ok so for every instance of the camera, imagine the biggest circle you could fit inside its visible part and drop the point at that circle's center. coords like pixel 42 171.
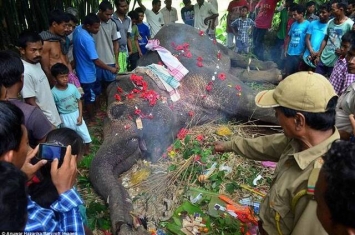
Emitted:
pixel 49 151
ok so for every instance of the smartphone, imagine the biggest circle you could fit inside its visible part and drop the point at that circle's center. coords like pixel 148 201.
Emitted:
pixel 50 152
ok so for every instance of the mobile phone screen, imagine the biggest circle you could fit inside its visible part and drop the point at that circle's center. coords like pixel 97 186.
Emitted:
pixel 51 151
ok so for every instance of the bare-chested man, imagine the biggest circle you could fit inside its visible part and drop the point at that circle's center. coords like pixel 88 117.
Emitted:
pixel 55 48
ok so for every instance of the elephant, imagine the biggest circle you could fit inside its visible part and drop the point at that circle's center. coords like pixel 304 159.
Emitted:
pixel 142 120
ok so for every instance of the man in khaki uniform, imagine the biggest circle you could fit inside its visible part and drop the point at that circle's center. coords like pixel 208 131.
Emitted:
pixel 304 105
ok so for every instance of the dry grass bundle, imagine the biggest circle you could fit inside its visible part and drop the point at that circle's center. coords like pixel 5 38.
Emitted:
pixel 157 195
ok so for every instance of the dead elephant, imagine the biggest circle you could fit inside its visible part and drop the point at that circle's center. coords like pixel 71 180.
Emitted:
pixel 143 121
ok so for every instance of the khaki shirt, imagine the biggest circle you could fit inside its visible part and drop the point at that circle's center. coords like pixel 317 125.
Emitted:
pixel 291 176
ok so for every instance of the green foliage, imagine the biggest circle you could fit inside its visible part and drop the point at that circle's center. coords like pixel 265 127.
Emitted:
pixel 98 216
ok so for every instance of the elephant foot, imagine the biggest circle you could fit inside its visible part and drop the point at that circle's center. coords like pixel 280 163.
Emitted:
pixel 126 229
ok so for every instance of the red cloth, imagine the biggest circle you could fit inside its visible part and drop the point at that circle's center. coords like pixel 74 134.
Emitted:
pixel 234 11
pixel 266 10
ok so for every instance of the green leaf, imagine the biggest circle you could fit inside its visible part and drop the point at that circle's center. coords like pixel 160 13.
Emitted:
pixel 230 187
pixel 177 144
pixel 187 139
pixel 172 167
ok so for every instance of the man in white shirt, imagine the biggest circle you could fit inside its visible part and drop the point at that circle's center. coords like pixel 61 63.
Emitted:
pixel 155 18
pixel 204 12
pixel 169 13
pixel 36 90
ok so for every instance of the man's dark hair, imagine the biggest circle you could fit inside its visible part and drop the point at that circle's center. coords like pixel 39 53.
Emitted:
pixel 245 7
pixel 155 2
pixel 13 198
pixel 133 15
pixel 28 37
pixel 339 172
pixel 317 121
pixel 139 10
pixel 73 18
pixel 310 3
pixel 186 1
pixel 11 119
pixel 298 8
pixel 105 5
pixel 58 16
pixel 325 6
pixel 341 4
pixel 59 69
pixel 117 2
pixel 91 19
pixel 45 193
pixel 349 37
pixel 11 68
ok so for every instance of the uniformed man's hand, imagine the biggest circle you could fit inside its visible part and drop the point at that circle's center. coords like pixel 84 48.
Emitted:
pixel 218 147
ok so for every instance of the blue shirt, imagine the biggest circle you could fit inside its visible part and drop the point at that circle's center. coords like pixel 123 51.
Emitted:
pixel 66 100
pixel 144 35
pixel 187 15
pixel 66 208
pixel 84 55
pixel 297 33
pixel 316 29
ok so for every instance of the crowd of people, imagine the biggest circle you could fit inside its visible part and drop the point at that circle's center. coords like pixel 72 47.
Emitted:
pixel 63 71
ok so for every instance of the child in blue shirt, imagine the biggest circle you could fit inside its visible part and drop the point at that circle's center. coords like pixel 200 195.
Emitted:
pixel 296 40
pixel 143 29
pixel 242 28
pixel 67 99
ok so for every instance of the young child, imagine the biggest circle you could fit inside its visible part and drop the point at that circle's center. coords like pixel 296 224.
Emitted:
pixel 67 99
pixel 340 78
pixel 242 27
pixel 296 40
pixel 187 13
pixel 134 50
pixel 144 31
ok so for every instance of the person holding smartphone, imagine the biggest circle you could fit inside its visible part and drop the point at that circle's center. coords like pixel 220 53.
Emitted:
pixel 63 214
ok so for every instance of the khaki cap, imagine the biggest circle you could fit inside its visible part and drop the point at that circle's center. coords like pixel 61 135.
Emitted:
pixel 302 91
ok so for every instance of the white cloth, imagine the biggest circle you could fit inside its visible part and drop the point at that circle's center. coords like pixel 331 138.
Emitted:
pixel 163 74
pixel 176 69
pixel 70 120
pixel 155 21
pixel 35 84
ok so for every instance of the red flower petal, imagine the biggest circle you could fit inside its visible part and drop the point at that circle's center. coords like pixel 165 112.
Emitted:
pixel 219 55
pixel 187 54
pixel 238 87
pixel 199 64
pixel 182 133
pixel 201 33
pixel 199 58
pixel 138 111
pixel 222 76
pixel 200 138
pixel 130 96
pixel 117 97
pixel 191 113
pixel 119 89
